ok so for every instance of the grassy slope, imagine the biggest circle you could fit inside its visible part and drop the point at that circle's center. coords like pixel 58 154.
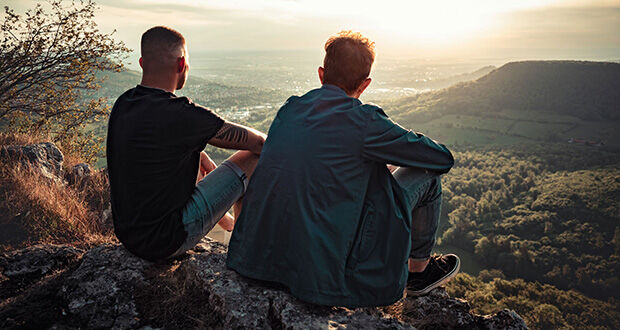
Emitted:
pixel 521 102
pixel 35 209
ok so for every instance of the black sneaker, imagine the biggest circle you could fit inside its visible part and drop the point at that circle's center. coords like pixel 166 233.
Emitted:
pixel 440 269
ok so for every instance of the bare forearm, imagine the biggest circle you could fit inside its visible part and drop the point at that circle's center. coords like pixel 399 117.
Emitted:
pixel 239 137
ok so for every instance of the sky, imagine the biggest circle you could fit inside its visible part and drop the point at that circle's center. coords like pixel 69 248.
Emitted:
pixel 511 29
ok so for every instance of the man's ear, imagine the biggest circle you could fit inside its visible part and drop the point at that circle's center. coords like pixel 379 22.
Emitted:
pixel 180 64
pixel 140 61
pixel 364 85
pixel 321 73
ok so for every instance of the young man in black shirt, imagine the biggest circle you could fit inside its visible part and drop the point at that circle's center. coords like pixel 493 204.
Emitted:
pixel 166 192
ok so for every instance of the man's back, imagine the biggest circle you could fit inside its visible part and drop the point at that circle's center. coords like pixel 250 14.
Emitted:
pixel 322 214
pixel 154 140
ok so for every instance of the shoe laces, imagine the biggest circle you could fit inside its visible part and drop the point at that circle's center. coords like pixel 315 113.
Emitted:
pixel 440 263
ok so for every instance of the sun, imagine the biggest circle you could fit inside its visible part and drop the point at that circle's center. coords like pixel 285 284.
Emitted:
pixel 439 22
pixel 434 22
pixel 431 23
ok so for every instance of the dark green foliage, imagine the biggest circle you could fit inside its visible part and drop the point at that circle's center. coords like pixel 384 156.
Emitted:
pixel 543 306
pixel 534 217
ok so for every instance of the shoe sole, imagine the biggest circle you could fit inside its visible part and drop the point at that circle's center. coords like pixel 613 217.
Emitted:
pixel 440 282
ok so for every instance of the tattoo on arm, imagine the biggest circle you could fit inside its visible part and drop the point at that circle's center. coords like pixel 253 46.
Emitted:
pixel 232 133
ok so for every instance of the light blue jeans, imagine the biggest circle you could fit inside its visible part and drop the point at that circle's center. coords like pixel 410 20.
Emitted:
pixel 423 190
pixel 213 196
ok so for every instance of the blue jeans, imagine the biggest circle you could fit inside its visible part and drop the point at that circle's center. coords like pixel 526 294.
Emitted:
pixel 423 190
pixel 213 196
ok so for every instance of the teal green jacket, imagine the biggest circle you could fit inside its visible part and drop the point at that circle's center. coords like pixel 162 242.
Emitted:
pixel 322 214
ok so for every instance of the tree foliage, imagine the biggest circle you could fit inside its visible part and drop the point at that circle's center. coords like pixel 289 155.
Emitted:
pixel 538 216
pixel 543 306
pixel 49 58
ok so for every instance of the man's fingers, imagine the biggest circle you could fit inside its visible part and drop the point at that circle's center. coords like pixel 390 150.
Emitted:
pixel 227 222
pixel 206 163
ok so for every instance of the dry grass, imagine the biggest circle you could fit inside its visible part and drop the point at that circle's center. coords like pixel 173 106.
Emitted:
pixel 19 139
pixel 44 211
pixel 6 139
pixel 174 301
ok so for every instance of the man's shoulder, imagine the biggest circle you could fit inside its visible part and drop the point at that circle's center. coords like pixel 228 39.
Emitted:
pixel 185 102
pixel 125 96
pixel 372 111
pixel 370 107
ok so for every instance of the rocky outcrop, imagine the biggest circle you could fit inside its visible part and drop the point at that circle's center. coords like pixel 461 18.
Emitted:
pixel 100 292
pixel 45 157
pixel 78 172
pixel 19 269
pixel 113 289
pixel 438 310
pixel 48 160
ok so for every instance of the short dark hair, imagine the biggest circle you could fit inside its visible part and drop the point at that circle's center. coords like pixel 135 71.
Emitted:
pixel 158 41
pixel 348 59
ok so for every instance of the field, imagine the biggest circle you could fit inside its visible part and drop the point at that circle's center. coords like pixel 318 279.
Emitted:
pixel 514 128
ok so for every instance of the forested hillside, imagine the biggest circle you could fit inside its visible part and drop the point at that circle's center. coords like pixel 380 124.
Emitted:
pixel 540 224
pixel 586 90
pixel 521 103
pixel 542 215
pixel 543 306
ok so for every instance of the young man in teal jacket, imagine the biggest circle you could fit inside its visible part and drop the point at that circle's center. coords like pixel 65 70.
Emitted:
pixel 328 214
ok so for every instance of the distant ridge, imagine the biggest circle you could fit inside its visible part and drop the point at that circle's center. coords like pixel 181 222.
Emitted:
pixel 587 90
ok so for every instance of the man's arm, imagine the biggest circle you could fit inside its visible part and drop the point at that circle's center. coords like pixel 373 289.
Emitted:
pixel 239 137
pixel 385 141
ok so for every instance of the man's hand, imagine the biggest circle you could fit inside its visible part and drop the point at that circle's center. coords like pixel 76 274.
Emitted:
pixel 205 167
pixel 227 222
pixel 206 164
pixel 258 147
pixel 235 136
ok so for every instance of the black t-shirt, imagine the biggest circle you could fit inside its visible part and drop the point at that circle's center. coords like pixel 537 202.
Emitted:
pixel 153 153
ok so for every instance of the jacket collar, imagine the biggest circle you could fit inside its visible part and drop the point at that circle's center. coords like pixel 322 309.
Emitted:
pixel 334 88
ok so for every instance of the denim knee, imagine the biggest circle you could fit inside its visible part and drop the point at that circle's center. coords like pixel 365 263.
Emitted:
pixel 434 190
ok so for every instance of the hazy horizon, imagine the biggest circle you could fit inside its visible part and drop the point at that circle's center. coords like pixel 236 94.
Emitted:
pixel 445 30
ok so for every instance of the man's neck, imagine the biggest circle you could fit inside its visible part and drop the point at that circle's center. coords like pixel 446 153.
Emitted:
pixel 169 85
pixel 356 94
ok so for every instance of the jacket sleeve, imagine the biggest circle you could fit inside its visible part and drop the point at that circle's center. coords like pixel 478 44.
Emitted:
pixel 386 141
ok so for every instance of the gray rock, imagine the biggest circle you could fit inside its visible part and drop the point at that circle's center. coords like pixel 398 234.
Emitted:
pixel 37 260
pixel 109 287
pixel 504 319
pixel 20 268
pixel 243 303
pixel 46 157
pixel 438 310
pixel 106 215
pixel 100 292
pixel 78 172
